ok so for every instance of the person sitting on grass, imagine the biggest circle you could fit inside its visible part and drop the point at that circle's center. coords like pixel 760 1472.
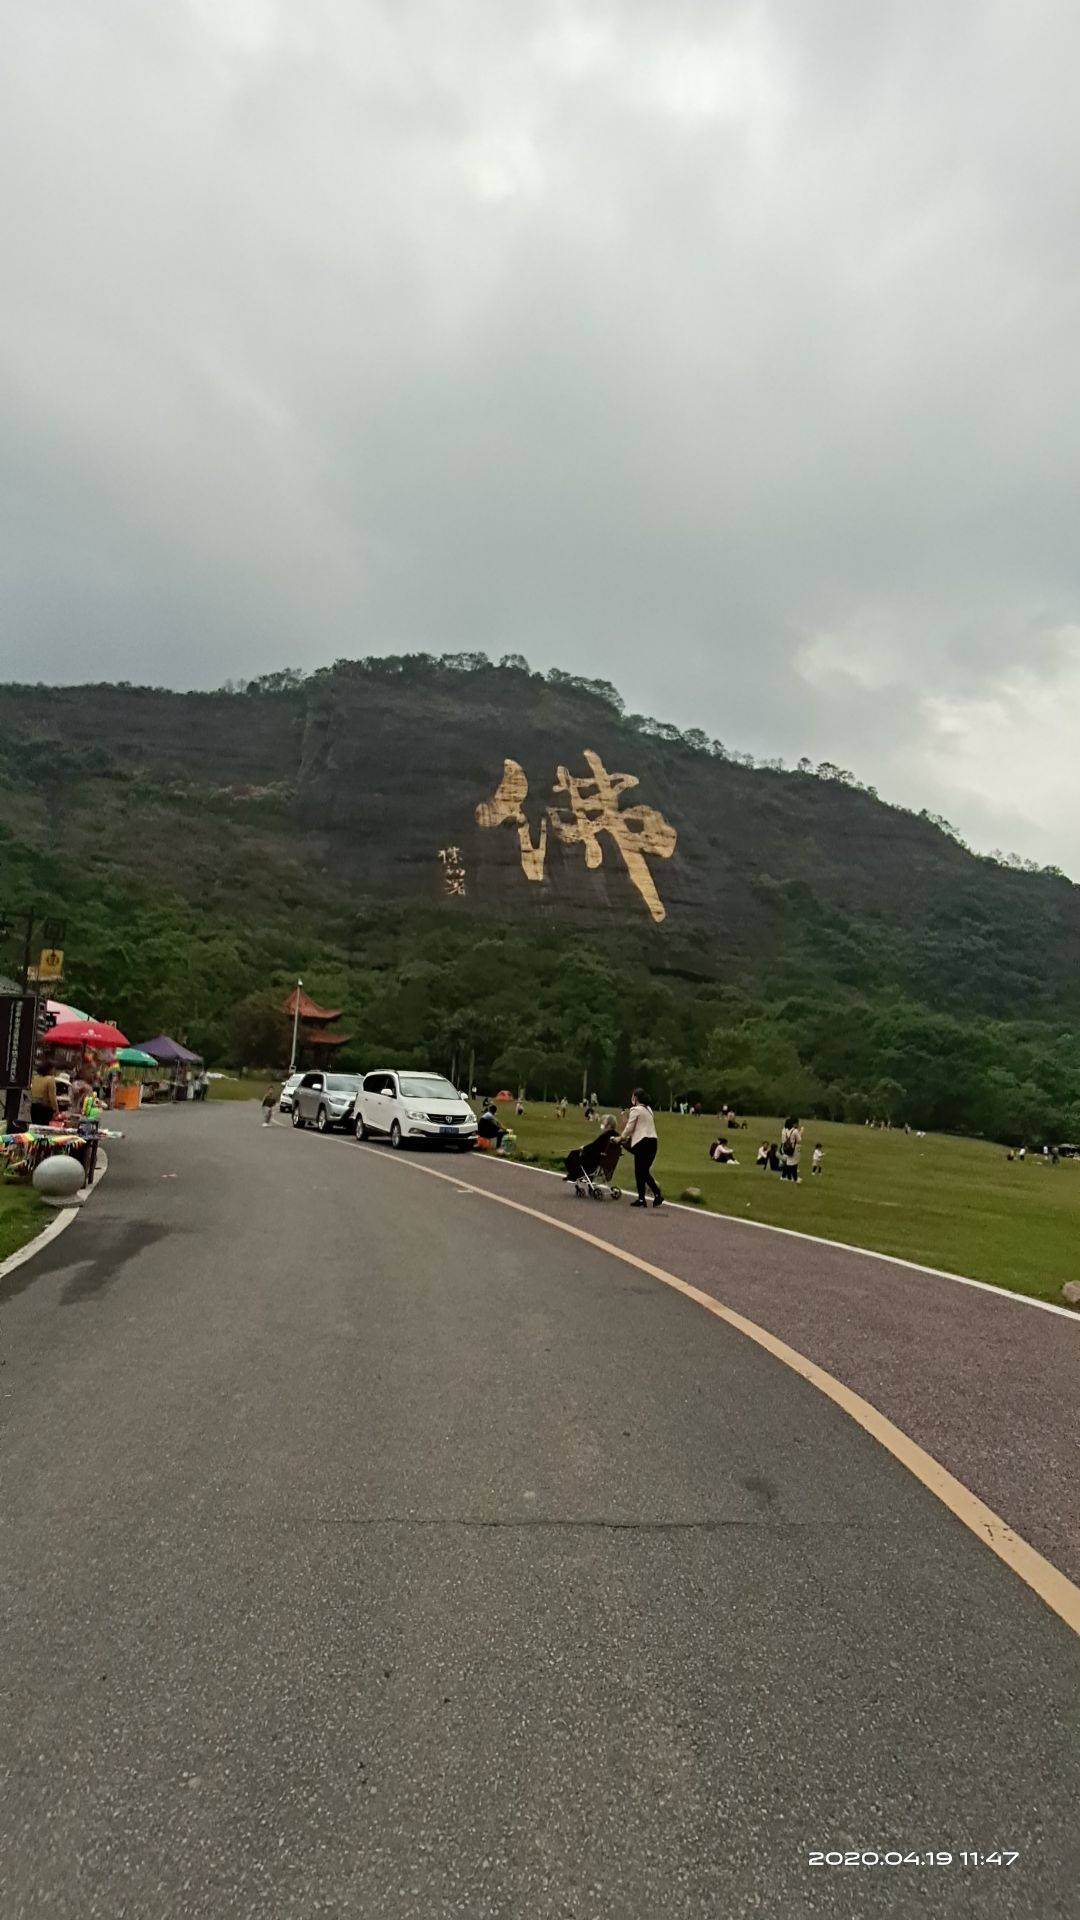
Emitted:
pixel 488 1129
pixel 721 1152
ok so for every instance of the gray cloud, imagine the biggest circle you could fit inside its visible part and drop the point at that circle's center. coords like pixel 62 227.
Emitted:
pixel 728 350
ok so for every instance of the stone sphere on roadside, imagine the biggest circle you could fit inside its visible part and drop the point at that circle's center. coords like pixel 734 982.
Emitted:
pixel 59 1177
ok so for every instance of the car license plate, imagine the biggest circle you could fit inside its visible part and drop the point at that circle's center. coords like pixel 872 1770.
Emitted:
pixel 447 1129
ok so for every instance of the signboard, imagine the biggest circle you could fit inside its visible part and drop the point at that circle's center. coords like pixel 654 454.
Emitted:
pixel 17 1039
pixel 50 964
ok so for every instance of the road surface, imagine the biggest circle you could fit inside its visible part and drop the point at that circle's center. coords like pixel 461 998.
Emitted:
pixel 370 1549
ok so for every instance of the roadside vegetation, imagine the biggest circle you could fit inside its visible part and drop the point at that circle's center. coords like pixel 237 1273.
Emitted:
pixel 22 1215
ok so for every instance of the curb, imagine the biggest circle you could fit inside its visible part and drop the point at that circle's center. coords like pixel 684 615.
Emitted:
pixel 55 1227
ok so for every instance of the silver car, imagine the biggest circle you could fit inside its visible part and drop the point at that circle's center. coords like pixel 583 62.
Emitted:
pixel 325 1100
pixel 288 1092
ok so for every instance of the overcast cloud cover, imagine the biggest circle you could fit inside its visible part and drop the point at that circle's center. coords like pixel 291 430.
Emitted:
pixel 728 349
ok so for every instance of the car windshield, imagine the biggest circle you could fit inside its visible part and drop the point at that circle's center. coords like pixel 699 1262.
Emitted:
pixel 341 1083
pixel 426 1086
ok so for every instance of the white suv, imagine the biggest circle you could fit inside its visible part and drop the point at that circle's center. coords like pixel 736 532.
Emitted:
pixel 407 1106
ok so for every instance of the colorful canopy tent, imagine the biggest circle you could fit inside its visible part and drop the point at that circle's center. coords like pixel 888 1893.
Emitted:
pixel 97 1034
pixel 168 1052
pixel 61 1011
pixel 135 1057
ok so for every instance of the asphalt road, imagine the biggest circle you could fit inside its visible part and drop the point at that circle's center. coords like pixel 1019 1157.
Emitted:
pixel 987 1382
pixel 369 1549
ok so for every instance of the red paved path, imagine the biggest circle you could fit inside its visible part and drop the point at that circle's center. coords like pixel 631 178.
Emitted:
pixel 988 1385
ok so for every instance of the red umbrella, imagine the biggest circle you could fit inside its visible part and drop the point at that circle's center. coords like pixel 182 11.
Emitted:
pixel 84 1033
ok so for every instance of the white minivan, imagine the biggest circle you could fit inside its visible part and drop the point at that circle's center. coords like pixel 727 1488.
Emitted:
pixel 404 1105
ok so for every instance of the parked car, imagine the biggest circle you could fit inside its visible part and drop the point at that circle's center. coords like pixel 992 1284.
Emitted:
pixel 285 1102
pixel 325 1100
pixel 404 1106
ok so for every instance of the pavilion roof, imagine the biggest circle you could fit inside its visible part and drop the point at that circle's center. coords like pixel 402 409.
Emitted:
pixel 309 1010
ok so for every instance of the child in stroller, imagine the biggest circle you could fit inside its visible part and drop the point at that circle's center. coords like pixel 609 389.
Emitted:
pixel 591 1167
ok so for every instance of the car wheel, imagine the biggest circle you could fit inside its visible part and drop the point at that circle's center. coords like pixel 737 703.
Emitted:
pixel 321 1120
pixel 395 1135
pixel 360 1130
pixel 297 1117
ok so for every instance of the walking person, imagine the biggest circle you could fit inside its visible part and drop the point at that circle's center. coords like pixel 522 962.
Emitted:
pixel 639 1134
pixel 816 1159
pixel 269 1102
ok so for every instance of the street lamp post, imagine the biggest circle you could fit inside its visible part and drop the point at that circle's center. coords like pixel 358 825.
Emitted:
pixel 295 1026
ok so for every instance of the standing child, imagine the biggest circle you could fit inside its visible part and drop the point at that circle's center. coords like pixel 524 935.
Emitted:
pixel 269 1102
pixel 816 1159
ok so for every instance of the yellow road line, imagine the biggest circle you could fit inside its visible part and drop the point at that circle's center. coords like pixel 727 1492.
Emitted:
pixel 1059 1593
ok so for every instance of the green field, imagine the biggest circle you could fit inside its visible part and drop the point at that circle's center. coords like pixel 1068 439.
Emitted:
pixel 950 1203
pixel 233 1088
pixel 22 1215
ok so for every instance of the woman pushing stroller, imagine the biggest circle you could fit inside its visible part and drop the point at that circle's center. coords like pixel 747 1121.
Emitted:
pixel 639 1134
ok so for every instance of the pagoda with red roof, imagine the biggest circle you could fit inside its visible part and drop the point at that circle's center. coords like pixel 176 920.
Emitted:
pixel 315 1035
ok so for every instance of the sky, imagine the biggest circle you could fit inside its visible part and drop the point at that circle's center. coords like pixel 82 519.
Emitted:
pixel 725 349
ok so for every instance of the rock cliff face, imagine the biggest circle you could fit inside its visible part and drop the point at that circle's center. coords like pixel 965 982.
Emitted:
pixel 496 792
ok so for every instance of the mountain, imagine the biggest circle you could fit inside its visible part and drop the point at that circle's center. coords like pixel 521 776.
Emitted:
pixel 640 898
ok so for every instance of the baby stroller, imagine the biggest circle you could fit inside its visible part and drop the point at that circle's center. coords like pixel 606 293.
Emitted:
pixel 592 1167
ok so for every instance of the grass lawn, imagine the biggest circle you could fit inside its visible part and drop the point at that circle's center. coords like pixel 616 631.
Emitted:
pixel 22 1215
pixel 956 1204
pixel 251 1088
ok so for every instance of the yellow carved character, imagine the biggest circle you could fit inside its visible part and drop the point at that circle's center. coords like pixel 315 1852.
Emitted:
pixel 508 803
pixel 639 832
pixel 636 831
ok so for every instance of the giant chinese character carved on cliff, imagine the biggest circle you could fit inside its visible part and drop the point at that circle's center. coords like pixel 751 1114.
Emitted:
pixel 592 808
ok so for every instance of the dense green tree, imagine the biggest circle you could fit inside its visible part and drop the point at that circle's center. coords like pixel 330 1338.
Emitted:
pixel 259 1032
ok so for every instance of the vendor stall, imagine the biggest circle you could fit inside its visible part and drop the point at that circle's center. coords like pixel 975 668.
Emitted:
pixel 22 1151
pixel 82 1043
pixel 179 1061
pixel 135 1070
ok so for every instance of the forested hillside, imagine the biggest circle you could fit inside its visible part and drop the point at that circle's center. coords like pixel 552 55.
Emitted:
pixel 475 857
